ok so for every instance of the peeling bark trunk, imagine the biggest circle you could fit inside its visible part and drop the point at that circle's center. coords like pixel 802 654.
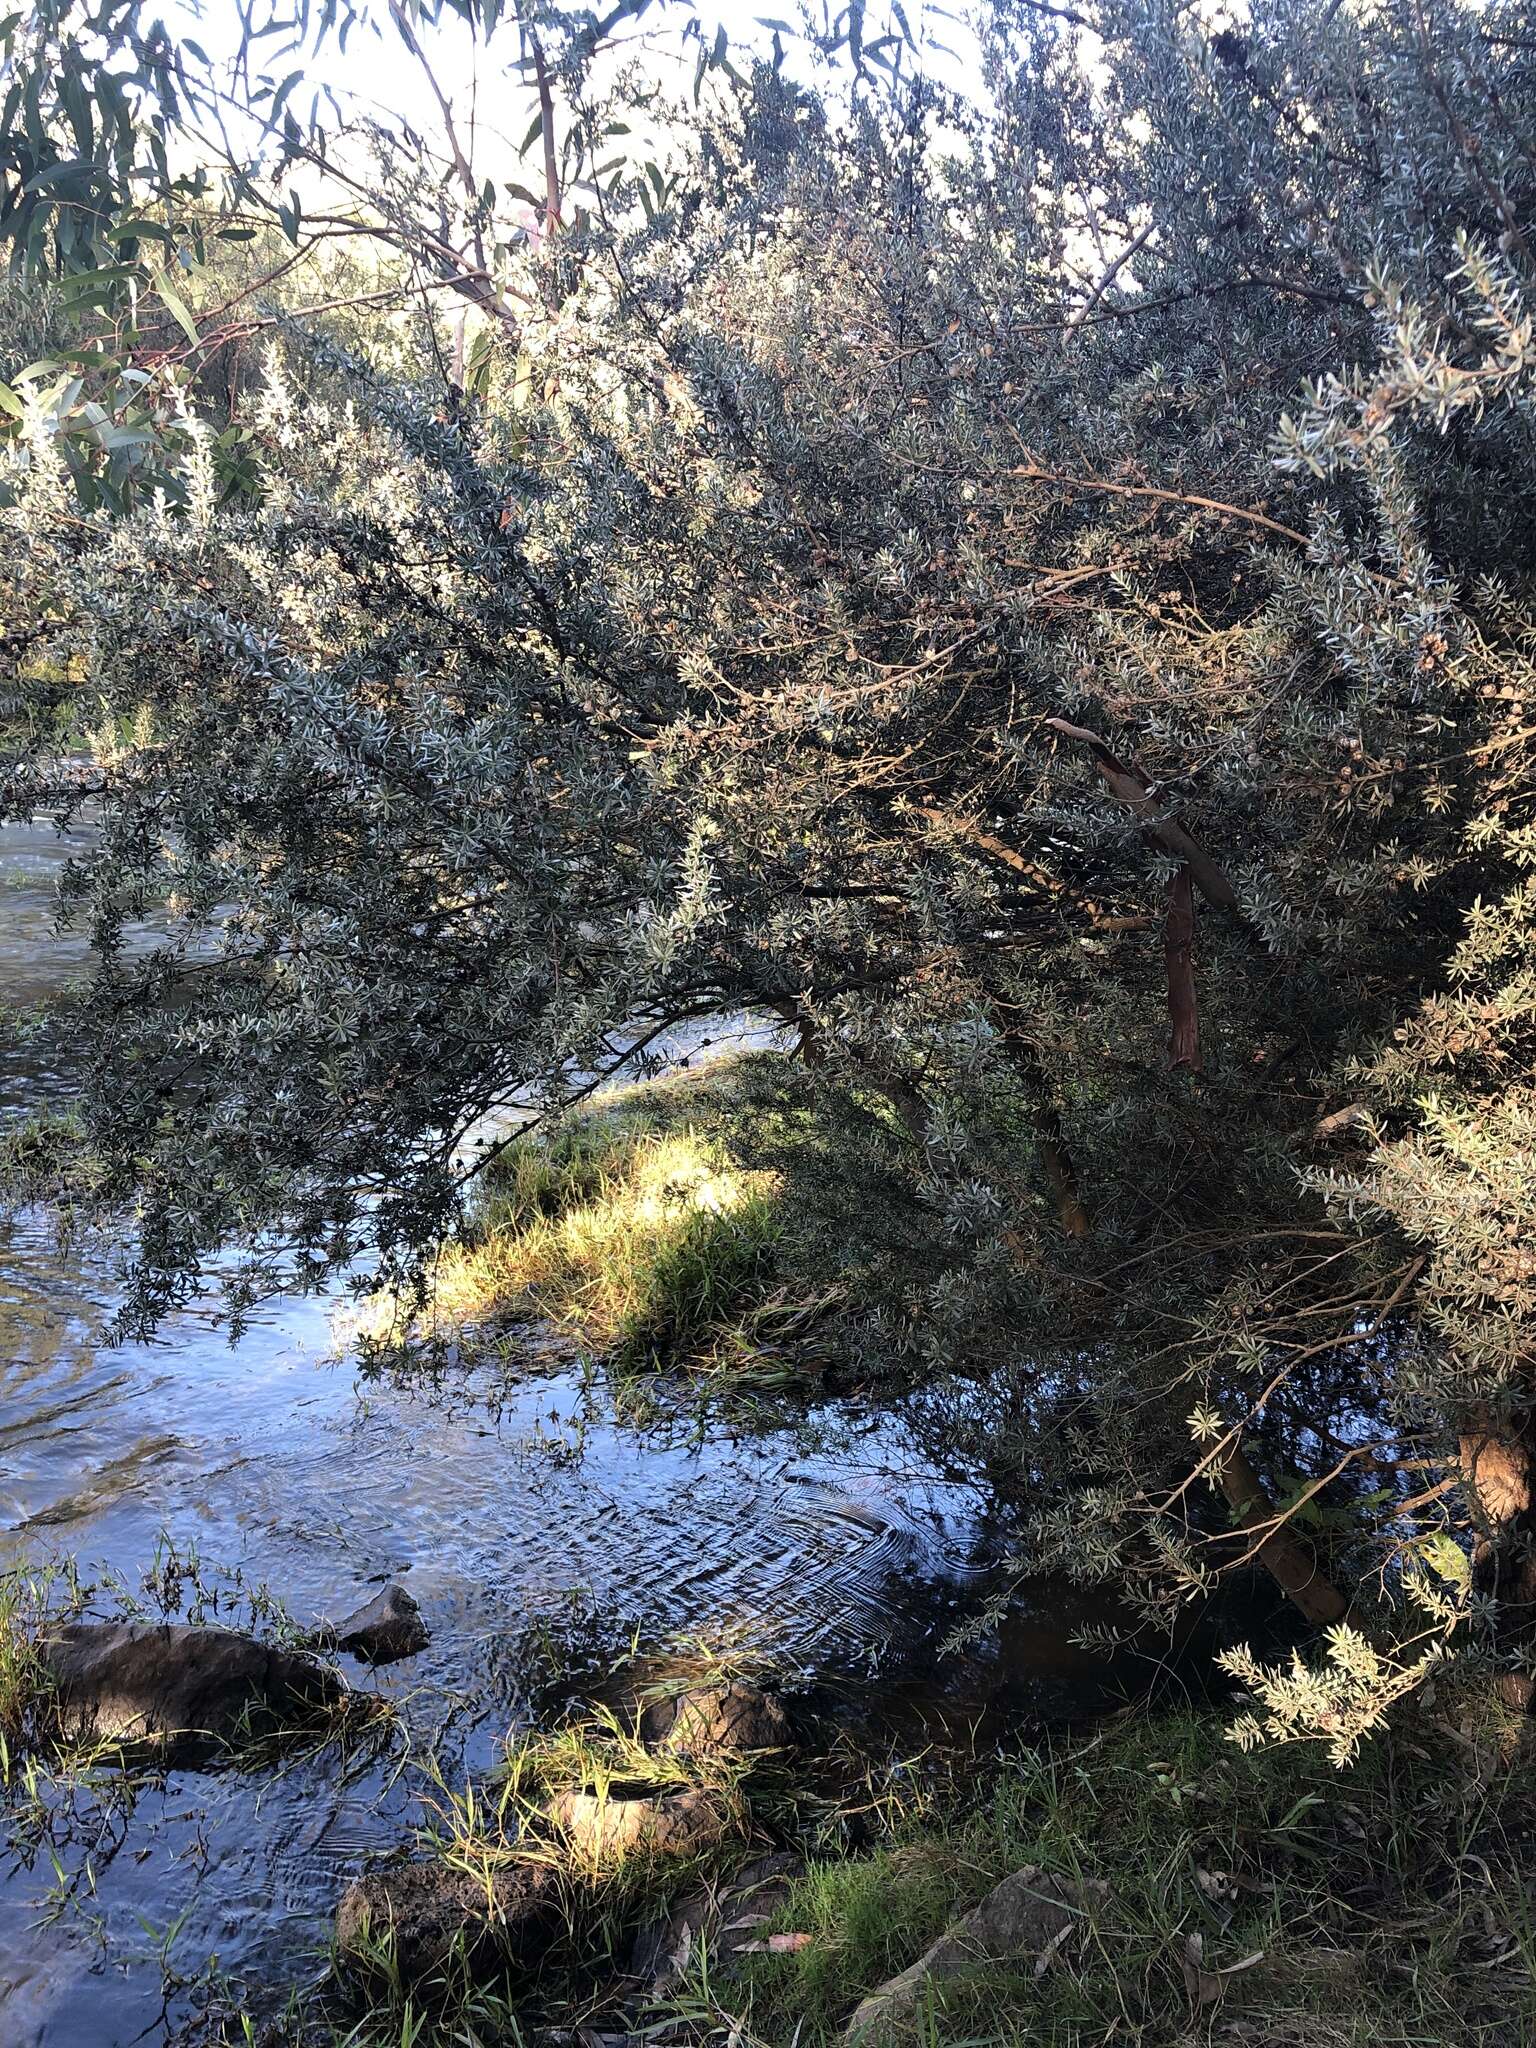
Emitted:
pixel 552 194
pixel 1284 1553
pixel 1050 1139
pixel 1498 1470
pixel 1061 1173
pixel 1179 956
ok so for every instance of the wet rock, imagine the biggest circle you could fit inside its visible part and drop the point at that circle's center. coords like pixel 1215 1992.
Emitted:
pixel 727 1719
pixel 188 1692
pixel 423 1915
pixel 724 1919
pixel 605 1829
pixel 389 1626
pixel 1017 1923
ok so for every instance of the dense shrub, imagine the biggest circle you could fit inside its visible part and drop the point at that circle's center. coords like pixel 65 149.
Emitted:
pixel 1035 593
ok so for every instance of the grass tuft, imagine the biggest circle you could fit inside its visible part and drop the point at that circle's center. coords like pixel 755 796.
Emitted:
pixel 24 1684
pixel 634 1228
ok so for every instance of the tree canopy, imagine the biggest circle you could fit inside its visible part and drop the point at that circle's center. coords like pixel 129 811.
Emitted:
pixel 1030 587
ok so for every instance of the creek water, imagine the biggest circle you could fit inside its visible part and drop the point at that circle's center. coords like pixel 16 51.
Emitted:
pixel 536 1531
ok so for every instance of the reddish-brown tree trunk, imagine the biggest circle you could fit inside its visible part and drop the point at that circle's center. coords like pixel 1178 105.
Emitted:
pixel 1179 959
pixel 1282 1550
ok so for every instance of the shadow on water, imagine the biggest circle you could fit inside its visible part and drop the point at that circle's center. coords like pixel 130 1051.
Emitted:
pixel 540 1537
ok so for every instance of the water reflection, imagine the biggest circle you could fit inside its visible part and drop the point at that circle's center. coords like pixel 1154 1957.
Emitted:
pixel 538 1534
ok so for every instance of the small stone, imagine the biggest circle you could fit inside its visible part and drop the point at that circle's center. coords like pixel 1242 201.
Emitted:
pixel 389 1626
pixel 606 1830
pixel 1018 1921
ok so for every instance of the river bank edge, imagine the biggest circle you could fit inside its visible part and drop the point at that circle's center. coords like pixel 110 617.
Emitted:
pixel 797 1881
pixel 1141 1879
pixel 1196 1892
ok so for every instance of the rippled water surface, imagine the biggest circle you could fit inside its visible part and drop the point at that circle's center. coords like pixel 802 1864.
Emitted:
pixel 519 1515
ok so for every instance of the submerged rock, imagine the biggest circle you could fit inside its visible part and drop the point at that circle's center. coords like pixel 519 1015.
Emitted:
pixel 605 1829
pixel 422 1915
pixel 185 1691
pixel 731 1718
pixel 389 1626
pixel 1018 1922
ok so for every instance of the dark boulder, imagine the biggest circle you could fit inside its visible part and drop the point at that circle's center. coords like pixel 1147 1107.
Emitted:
pixel 185 1692
pixel 418 1917
pixel 389 1626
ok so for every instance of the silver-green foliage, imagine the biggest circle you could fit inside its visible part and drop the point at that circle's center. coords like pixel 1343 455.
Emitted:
pixel 840 543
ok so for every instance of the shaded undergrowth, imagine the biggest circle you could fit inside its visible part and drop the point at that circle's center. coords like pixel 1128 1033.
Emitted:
pixel 1265 1899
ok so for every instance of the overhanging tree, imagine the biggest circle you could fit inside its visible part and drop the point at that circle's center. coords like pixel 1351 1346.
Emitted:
pixel 1036 593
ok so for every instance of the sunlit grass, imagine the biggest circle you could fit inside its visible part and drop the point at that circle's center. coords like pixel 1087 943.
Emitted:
pixel 679 1224
pixel 634 1230
pixel 637 1242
